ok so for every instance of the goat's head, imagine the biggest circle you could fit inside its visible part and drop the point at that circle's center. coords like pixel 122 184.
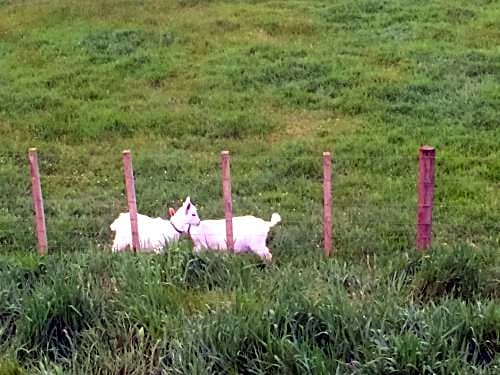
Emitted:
pixel 186 215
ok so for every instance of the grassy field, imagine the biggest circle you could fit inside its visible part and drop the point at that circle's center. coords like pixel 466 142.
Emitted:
pixel 276 83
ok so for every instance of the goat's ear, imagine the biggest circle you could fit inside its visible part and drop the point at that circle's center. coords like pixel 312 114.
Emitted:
pixel 188 207
pixel 188 200
pixel 171 211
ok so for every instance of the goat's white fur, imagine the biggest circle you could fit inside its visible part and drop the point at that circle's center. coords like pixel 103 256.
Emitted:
pixel 154 233
pixel 249 233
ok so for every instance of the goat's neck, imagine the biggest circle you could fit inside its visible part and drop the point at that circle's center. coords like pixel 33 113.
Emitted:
pixel 179 224
pixel 169 231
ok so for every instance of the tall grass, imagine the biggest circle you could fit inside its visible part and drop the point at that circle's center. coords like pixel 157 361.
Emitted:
pixel 276 83
pixel 177 313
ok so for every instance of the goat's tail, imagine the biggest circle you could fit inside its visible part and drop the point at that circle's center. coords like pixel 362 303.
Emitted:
pixel 275 219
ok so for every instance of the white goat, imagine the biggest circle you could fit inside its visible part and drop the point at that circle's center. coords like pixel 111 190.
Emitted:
pixel 249 233
pixel 154 233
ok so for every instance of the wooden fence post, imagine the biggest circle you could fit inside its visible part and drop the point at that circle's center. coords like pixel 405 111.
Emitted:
pixel 132 204
pixel 228 205
pixel 36 190
pixel 426 176
pixel 327 203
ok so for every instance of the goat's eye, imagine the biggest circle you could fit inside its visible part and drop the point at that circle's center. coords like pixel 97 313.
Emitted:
pixel 193 214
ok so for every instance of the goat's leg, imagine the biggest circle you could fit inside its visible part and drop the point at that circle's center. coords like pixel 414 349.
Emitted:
pixel 116 245
pixel 264 254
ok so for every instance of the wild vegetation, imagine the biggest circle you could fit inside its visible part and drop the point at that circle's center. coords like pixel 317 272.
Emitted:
pixel 276 83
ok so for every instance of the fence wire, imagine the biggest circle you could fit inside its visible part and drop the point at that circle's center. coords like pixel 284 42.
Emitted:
pixel 373 207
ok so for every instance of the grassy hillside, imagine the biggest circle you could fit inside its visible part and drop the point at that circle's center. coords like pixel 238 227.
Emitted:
pixel 275 82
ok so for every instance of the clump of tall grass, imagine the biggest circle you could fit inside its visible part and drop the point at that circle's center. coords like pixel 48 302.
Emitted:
pixel 9 367
pixel 460 272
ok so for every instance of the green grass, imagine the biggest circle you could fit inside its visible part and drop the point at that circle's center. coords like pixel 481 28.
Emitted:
pixel 276 83
pixel 179 313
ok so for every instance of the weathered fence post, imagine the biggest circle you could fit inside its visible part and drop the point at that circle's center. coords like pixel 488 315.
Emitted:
pixel 132 204
pixel 36 190
pixel 327 203
pixel 426 176
pixel 228 205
